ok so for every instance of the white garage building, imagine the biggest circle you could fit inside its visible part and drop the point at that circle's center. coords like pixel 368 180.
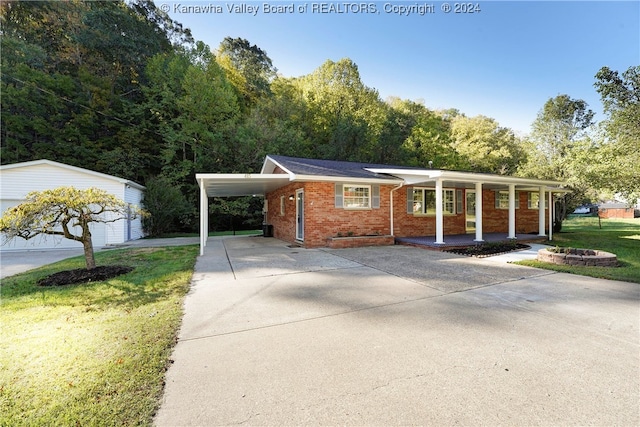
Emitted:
pixel 18 179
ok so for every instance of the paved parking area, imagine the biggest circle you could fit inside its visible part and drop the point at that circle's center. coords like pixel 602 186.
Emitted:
pixel 274 335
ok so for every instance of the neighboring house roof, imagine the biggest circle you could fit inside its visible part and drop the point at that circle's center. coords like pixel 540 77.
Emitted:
pixel 614 205
pixel 71 168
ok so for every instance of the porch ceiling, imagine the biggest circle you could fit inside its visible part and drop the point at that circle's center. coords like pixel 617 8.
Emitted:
pixel 224 185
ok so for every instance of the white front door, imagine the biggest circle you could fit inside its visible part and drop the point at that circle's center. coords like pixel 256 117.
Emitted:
pixel 300 214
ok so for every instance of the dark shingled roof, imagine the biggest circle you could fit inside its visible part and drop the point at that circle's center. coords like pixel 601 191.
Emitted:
pixel 334 167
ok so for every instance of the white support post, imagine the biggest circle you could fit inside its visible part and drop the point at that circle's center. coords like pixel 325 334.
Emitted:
pixel 204 213
pixel 541 208
pixel 478 212
pixel 551 216
pixel 512 211
pixel 439 214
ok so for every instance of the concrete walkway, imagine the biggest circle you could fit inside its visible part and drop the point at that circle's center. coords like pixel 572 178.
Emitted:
pixel 274 335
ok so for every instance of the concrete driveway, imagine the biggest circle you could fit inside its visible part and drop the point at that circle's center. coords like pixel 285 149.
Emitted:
pixel 274 335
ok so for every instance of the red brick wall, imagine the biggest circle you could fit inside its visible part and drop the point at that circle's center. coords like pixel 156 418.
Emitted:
pixel 615 213
pixel 493 220
pixel 323 220
pixel 284 226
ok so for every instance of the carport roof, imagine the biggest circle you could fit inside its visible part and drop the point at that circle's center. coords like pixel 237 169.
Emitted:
pixel 224 185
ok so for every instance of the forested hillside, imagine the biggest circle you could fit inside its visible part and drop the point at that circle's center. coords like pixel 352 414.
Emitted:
pixel 120 88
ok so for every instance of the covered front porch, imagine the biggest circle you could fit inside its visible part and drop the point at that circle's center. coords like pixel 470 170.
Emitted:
pixel 464 240
pixel 469 188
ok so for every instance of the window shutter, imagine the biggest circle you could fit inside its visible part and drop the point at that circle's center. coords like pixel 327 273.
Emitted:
pixel 375 196
pixel 338 196
pixel 458 201
pixel 497 196
pixel 410 200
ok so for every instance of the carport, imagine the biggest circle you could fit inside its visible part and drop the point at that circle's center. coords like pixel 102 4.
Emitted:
pixel 229 185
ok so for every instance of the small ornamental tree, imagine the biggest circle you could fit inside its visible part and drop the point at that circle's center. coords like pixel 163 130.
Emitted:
pixel 67 212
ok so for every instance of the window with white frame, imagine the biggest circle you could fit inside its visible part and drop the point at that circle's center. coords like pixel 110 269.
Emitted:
pixel 282 204
pixel 502 199
pixel 356 196
pixel 534 200
pixel 424 201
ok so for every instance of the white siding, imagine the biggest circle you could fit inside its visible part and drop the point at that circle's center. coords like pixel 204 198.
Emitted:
pixel 17 182
pixel 134 197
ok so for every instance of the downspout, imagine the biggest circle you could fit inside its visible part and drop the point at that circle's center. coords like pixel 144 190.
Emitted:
pixel 391 200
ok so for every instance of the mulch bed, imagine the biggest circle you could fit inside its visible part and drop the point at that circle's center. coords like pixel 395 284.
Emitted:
pixel 487 250
pixel 82 275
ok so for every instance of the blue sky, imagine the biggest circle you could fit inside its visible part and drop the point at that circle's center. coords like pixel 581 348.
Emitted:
pixel 504 61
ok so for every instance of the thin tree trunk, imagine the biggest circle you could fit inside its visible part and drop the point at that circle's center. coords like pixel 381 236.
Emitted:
pixel 87 243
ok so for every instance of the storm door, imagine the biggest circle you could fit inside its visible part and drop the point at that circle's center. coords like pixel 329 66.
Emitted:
pixel 300 214
pixel 470 211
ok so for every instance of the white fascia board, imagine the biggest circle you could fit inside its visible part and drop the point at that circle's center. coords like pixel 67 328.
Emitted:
pixel 240 177
pixel 416 176
pixel 269 160
pixel 323 178
pixel 407 176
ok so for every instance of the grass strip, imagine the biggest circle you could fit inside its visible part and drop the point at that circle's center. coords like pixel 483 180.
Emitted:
pixel 91 354
pixel 618 236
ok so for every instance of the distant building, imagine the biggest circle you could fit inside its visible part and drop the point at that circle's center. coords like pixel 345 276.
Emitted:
pixel 615 210
pixel 18 179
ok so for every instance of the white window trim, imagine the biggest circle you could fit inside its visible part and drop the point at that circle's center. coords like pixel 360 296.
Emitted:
pixel 506 208
pixel 282 204
pixel 445 212
pixel 529 205
pixel 356 208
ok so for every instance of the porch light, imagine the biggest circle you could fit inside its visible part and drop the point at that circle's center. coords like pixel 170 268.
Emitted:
pixel 291 197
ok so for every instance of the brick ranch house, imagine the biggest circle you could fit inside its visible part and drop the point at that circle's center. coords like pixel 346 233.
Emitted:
pixel 327 203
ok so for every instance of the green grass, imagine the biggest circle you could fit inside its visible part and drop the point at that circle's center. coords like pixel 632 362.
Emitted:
pixel 619 236
pixel 91 354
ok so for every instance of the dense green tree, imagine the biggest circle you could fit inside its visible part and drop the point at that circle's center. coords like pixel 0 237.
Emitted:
pixel 485 146
pixel 166 206
pixel 557 143
pixel 73 99
pixel 277 124
pixel 616 165
pixel 346 116
pixel 248 68
pixel 237 213
pixel 429 141
pixel 122 87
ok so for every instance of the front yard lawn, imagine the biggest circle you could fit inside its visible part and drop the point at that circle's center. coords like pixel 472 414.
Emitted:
pixel 91 354
pixel 618 236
